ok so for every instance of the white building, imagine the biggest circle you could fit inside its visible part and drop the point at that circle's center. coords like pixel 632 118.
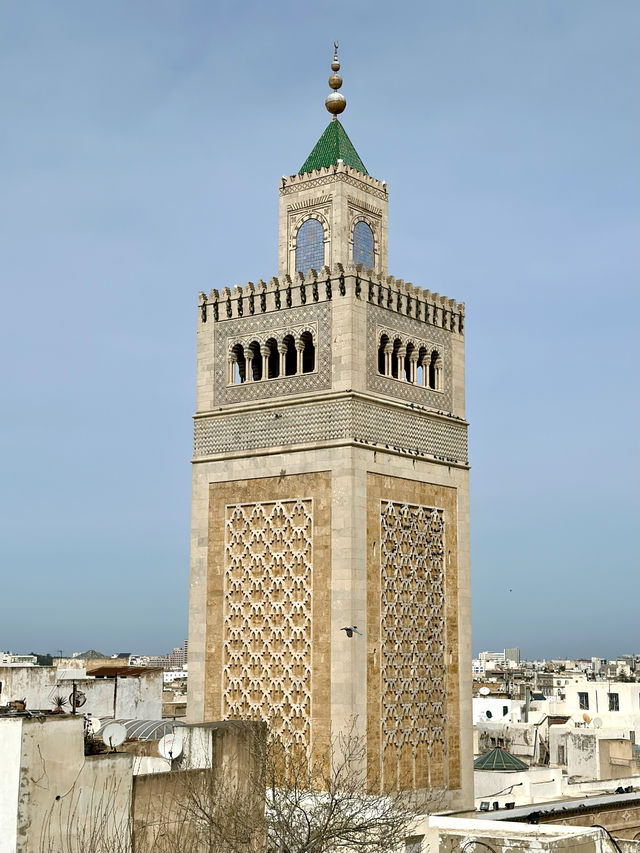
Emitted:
pixel 604 699
pixel 129 695
pixel 9 659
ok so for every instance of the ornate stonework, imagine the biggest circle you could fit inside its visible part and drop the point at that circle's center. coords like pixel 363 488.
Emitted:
pixel 412 641
pixel 330 179
pixel 352 419
pixel 413 690
pixel 260 327
pixel 330 489
pixel 267 607
pixel 267 595
pixel 407 328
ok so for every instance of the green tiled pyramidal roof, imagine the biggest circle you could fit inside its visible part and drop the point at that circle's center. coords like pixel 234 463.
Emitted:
pixel 333 145
pixel 499 759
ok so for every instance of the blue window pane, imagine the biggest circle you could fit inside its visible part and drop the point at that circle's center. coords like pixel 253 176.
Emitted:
pixel 363 245
pixel 310 246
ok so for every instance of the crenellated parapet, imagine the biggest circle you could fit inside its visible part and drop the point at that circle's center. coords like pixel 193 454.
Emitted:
pixel 328 174
pixel 393 294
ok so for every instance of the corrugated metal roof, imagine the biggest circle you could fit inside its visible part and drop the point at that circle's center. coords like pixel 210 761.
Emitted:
pixel 143 729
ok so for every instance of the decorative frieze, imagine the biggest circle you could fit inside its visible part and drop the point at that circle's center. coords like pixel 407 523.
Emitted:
pixel 351 419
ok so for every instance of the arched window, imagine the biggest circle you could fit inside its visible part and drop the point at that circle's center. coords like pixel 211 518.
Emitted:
pixel 273 360
pixel 408 363
pixel 291 356
pixel 308 353
pixel 310 246
pixel 384 340
pixel 238 365
pixel 422 373
pixel 256 361
pixel 435 371
pixel 363 245
pixel 395 368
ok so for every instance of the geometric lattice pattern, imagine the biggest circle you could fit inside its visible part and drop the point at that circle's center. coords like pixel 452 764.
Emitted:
pixel 412 663
pixel 267 616
pixel 339 419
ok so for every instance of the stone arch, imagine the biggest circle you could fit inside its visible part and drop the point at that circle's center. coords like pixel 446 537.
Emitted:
pixel 373 228
pixel 290 355
pixel 409 362
pixel 422 371
pixel 308 352
pixel 255 361
pixel 236 365
pixel 396 355
pixel 435 371
pixel 273 358
pixel 383 360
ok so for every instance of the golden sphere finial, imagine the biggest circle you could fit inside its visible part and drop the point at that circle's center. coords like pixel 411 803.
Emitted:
pixel 335 102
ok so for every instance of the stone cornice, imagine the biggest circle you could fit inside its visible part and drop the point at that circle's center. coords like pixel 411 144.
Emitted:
pixel 330 174
pixel 322 397
pixel 331 420
pixel 327 284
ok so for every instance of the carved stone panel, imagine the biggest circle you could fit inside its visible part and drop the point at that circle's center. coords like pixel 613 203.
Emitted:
pixel 268 591
pixel 412 632
pixel 413 647
pixel 267 607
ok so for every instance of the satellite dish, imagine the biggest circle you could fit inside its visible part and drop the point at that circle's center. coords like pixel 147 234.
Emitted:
pixel 489 714
pixel 484 691
pixel 170 746
pixel 597 722
pixel 93 725
pixel 114 734
pixel 586 718
pixel 79 700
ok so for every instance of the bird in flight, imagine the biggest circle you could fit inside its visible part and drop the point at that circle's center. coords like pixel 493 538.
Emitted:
pixel 351 630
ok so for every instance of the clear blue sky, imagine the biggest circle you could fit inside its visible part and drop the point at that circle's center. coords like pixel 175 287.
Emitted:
pixel 141 147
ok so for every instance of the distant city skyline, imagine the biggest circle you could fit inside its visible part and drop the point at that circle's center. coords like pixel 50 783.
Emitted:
pixel 142 149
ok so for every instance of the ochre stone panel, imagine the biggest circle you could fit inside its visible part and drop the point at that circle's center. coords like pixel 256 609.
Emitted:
pixel 413 693
pixel 268 592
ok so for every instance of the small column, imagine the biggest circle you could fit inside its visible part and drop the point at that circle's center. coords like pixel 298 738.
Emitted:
pixel 265 352
pixel 402 351
pixel 300 350
pixel 425 372
pixel 388 350
pixel 438 375
pixel 249 364
pixel 231 368
pixel 413 367
pixel 282 349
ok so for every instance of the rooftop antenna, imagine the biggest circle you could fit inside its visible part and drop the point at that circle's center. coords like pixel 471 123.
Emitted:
pixel 170 746
pixel 113 735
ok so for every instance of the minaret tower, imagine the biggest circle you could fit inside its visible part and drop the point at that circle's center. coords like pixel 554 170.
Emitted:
pixel 330 490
